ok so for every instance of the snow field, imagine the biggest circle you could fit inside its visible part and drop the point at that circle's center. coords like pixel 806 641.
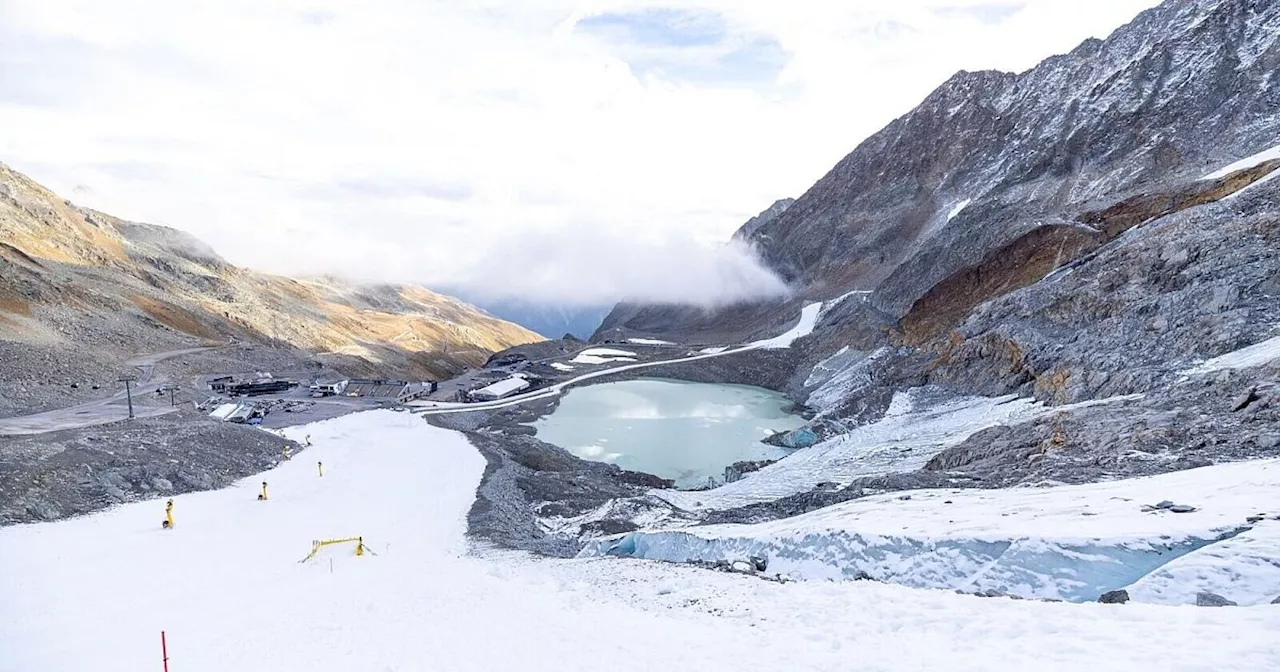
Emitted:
pixel 804 327
pixel 603 356
pixel 1244 358
pixel 1065 542
pixel 1244 569
pixel 92 593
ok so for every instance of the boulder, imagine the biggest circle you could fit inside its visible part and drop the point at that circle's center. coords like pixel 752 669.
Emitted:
pixel 1114 597
pixel 1242 401
pixel 1207 599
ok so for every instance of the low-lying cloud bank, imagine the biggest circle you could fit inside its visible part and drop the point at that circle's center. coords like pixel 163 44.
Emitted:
pixel 602 267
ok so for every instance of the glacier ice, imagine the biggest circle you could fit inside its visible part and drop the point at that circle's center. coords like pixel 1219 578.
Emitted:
pixel 1069 542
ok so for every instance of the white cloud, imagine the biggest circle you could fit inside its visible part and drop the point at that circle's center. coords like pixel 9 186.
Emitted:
pixel 444 142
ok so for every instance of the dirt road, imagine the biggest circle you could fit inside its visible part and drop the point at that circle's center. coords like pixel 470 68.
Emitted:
pixel 100 411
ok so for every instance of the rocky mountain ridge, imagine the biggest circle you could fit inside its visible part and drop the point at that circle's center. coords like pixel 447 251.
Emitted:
pixel 995 166
pixel 1100 234
pixel 81 292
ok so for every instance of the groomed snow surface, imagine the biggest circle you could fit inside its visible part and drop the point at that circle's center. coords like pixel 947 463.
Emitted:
pixel 94 593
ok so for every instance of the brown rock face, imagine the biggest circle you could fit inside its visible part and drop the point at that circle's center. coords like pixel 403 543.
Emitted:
pixel 76 278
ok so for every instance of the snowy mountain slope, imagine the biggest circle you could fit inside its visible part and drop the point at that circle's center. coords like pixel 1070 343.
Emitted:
pixel 1065 542
pixel 226 586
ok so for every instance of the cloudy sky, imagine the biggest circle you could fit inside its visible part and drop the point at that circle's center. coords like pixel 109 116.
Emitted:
pixel 562 150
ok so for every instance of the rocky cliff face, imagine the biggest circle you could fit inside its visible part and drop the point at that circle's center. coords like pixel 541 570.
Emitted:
pixel 1008 176
pixel 1091 229
pixel 81 292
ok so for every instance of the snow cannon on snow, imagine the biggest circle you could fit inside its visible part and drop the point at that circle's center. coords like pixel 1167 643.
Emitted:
pixel 167 523
pixel 262 496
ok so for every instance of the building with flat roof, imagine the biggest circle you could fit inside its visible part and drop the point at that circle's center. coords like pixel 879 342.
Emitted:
pixel 375 389
pixel 500 390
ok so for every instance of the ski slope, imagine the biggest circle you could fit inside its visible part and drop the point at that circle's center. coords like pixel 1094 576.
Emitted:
pixel 93 593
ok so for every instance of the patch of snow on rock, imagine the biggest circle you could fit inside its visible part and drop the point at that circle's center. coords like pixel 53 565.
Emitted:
pixel 1244 358
pixel 808 320
pixel 959 208
pixel 1259 158
pixel 603 356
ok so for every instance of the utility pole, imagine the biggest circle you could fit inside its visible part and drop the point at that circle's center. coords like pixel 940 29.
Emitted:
pixel 128 393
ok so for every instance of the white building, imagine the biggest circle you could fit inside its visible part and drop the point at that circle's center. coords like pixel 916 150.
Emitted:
pixel 500 389
pixel 319 389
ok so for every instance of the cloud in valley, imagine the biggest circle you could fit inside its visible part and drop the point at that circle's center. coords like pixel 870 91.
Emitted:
pixel 560 151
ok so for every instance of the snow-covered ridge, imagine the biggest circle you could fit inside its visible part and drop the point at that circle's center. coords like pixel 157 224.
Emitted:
pixel 1064 542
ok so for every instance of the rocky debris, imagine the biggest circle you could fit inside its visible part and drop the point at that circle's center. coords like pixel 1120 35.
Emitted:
pixel 74 472
pixel 1276 601
pixel 1242 402
pixel 754 566
pixel 527 481
pixel 1114 597
pixel 1207 599
pixel 738 470
pixel 1167 505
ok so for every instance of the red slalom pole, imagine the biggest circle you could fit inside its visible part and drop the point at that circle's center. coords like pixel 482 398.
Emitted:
pixel 164 651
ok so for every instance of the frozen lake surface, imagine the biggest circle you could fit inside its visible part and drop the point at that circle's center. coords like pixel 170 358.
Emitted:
pixel 688 432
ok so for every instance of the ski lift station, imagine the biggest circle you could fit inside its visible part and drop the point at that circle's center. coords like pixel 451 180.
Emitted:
pixel 500 390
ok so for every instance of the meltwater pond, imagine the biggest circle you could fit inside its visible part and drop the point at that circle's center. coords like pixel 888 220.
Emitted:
pixel 688 432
